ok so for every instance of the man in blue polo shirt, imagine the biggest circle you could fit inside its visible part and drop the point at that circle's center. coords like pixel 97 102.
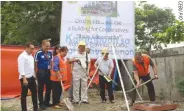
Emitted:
pixel 43 59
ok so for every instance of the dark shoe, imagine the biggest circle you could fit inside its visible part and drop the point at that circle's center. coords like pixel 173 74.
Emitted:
pixel 75 102
pixel 103 101
pixel 48 105
pixel 112 101
pixel 85 102
pixel 42 107
pixel 35 109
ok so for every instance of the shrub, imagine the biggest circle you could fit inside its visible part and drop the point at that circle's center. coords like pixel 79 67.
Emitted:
pixel 180 85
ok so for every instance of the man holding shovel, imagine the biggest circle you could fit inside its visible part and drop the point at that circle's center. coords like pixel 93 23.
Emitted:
pixel 58 74
pixel 80 60
pixel 141 64
pixel 105 70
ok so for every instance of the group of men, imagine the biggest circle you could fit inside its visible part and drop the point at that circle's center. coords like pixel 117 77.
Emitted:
pixel 33 72
pixel 47 69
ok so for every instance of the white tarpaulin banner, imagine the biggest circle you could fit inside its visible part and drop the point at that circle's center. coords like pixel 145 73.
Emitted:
pixel 100 24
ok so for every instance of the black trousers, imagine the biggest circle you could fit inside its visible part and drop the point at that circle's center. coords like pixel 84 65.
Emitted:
pixel 56 92
pixel 102 82
pixel 44 80
pixel 32 87
pixel 150 87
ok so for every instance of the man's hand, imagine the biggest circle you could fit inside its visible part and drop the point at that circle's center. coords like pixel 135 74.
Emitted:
pixel 36 79
pixel 25 82
pixel 88 77
pixel 109 77
pixel 138 84
pixel 75 60
pixel 156 76
pixel 59 77
pixel 36 83
pixel 35 76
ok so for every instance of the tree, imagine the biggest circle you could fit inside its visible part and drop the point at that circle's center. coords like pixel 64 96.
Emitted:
pixel 172 34
pixel 24 21
pixel 30 21
pixel 151 20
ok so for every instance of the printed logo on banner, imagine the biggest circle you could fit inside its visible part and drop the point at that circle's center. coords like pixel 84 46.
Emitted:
pixel 72 2
pixel 100 8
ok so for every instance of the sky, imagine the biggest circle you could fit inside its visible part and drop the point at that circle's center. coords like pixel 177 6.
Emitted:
pixel 173 4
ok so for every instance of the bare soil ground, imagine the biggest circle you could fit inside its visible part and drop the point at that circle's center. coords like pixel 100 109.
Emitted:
pixel 94 99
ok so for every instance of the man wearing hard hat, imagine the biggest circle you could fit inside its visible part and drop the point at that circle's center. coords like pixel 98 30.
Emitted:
pixel 105 71
pixel 80 62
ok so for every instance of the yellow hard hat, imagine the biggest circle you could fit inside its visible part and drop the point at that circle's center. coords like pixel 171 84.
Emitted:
pixel 105 50
pixel 82 43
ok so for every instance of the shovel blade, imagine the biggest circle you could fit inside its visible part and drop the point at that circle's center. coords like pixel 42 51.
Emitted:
pixel 68 104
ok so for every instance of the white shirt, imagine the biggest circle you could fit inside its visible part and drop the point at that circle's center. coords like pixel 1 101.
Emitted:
pixel 79 71
pixel 25 65
pixel 105 66
pixel 82 58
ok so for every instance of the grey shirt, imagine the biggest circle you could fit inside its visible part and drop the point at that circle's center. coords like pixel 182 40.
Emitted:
pixel 105 66
pixel 79 70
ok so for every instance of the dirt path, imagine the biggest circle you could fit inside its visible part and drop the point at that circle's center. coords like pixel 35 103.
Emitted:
pixel 94 99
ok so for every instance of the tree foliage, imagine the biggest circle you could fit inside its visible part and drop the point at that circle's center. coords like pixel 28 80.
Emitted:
pixel 180 86
pixel 24 21
pixel 174 33
pixel 151 20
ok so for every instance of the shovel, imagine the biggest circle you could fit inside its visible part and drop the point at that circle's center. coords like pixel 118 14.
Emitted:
pixel 140 85
pixel 107 78
pixel 66 100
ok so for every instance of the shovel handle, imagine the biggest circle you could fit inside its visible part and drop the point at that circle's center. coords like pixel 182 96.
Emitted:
pixel 62 85
pixel 111 79
pixel 140 85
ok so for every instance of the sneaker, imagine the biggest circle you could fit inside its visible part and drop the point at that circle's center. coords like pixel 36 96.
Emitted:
pixel 35 109
pixel 75 102
pixel 57 107
pixel 85 102
pixel 112 101
pixel 103 101
pixel 42 107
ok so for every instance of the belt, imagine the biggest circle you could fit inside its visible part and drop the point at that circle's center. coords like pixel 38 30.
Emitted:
pixel 30 77
pixel 44 69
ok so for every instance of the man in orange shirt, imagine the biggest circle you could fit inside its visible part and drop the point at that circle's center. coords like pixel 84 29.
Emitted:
pixel 141 64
